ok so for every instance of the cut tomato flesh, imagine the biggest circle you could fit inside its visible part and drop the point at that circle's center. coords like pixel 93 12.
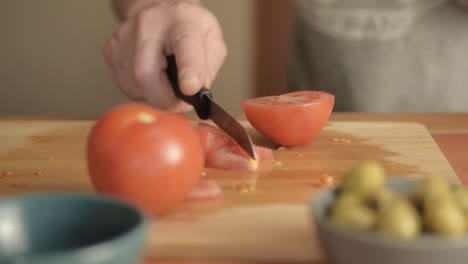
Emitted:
pixel 206 190
pixel 223 152
pixel 264 154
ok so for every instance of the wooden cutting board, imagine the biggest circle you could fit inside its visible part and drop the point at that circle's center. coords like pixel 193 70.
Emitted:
pixel 270 223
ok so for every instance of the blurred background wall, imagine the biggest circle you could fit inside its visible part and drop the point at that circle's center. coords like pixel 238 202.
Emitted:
pixel 51 62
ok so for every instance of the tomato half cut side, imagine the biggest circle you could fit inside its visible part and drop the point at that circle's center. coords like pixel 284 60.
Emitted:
pixel 291 119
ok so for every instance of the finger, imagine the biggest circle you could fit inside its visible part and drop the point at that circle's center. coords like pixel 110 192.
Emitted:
pixel 112 56
pixel 187 42
pixel 216 53
pixel 147 71
pixel 162 96
pixel 149 63
pixel 107 51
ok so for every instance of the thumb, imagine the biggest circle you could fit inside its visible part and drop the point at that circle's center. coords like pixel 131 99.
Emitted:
pixel 187 43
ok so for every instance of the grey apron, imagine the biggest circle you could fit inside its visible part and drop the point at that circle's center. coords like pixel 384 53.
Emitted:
pixel 383 55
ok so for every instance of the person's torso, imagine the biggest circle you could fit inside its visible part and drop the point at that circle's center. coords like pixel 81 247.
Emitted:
pixel 374 55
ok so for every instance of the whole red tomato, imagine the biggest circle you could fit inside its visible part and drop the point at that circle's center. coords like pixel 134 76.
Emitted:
pixel 146 156
pixel 291 119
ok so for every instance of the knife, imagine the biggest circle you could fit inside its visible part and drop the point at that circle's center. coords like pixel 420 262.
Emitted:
pixel 207 108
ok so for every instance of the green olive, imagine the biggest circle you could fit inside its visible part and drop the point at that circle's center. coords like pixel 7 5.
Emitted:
pixel 382 199
pixel 399 220
pixel 443 215
pixel 365 178
pixel 461 196
pixel 345 200
pixel 354 217
pixel 431 185
pixel 466 219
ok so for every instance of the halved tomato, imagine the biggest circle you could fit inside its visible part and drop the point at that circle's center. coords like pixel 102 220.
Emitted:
pixel 291 119
pixel 223 152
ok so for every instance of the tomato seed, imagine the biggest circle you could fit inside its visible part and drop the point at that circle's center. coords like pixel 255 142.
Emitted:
pixel 281 148
pixel 244 187
pixel 17 185
pixel 39 172
pixel 326 180
pixel 279 163
pixel 50 158
pixel 335 139
pixel 5 174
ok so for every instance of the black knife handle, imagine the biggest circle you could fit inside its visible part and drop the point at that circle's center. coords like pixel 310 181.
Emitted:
pixel 200 101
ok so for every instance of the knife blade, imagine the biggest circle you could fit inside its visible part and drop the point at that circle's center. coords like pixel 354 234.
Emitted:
pixel 207 108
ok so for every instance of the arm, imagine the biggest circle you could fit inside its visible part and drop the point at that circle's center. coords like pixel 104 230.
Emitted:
pixel 150 30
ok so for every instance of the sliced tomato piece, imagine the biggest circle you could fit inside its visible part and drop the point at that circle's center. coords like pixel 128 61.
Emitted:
pixel 291 119
pixel 264 154
pixel 214 138
pixel 206 190
pixel 223 152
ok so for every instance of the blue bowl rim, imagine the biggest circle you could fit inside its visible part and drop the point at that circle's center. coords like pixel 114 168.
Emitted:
pixel 141 224
pixel 425 242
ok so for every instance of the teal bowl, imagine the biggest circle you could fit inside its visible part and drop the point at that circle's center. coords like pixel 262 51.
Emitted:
pixel 71 229
pixel 346 247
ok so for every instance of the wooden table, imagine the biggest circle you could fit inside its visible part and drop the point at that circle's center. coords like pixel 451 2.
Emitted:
pixel 449 131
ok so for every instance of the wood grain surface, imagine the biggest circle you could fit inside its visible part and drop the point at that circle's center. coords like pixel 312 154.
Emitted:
pixel 270 223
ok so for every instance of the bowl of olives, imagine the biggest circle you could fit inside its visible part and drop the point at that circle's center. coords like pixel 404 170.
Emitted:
pixel 373 218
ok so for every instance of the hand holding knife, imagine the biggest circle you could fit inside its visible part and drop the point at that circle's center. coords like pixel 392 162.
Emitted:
pixel 207 108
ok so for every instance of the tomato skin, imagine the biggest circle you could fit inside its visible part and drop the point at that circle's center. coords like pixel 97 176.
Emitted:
pixel 291 119
pixel 146 156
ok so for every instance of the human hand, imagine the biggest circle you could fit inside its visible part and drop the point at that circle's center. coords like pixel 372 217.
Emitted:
pixel 136 52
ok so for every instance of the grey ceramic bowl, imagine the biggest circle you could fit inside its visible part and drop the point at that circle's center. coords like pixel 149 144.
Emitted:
pixel 70 229
pixel 346 247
